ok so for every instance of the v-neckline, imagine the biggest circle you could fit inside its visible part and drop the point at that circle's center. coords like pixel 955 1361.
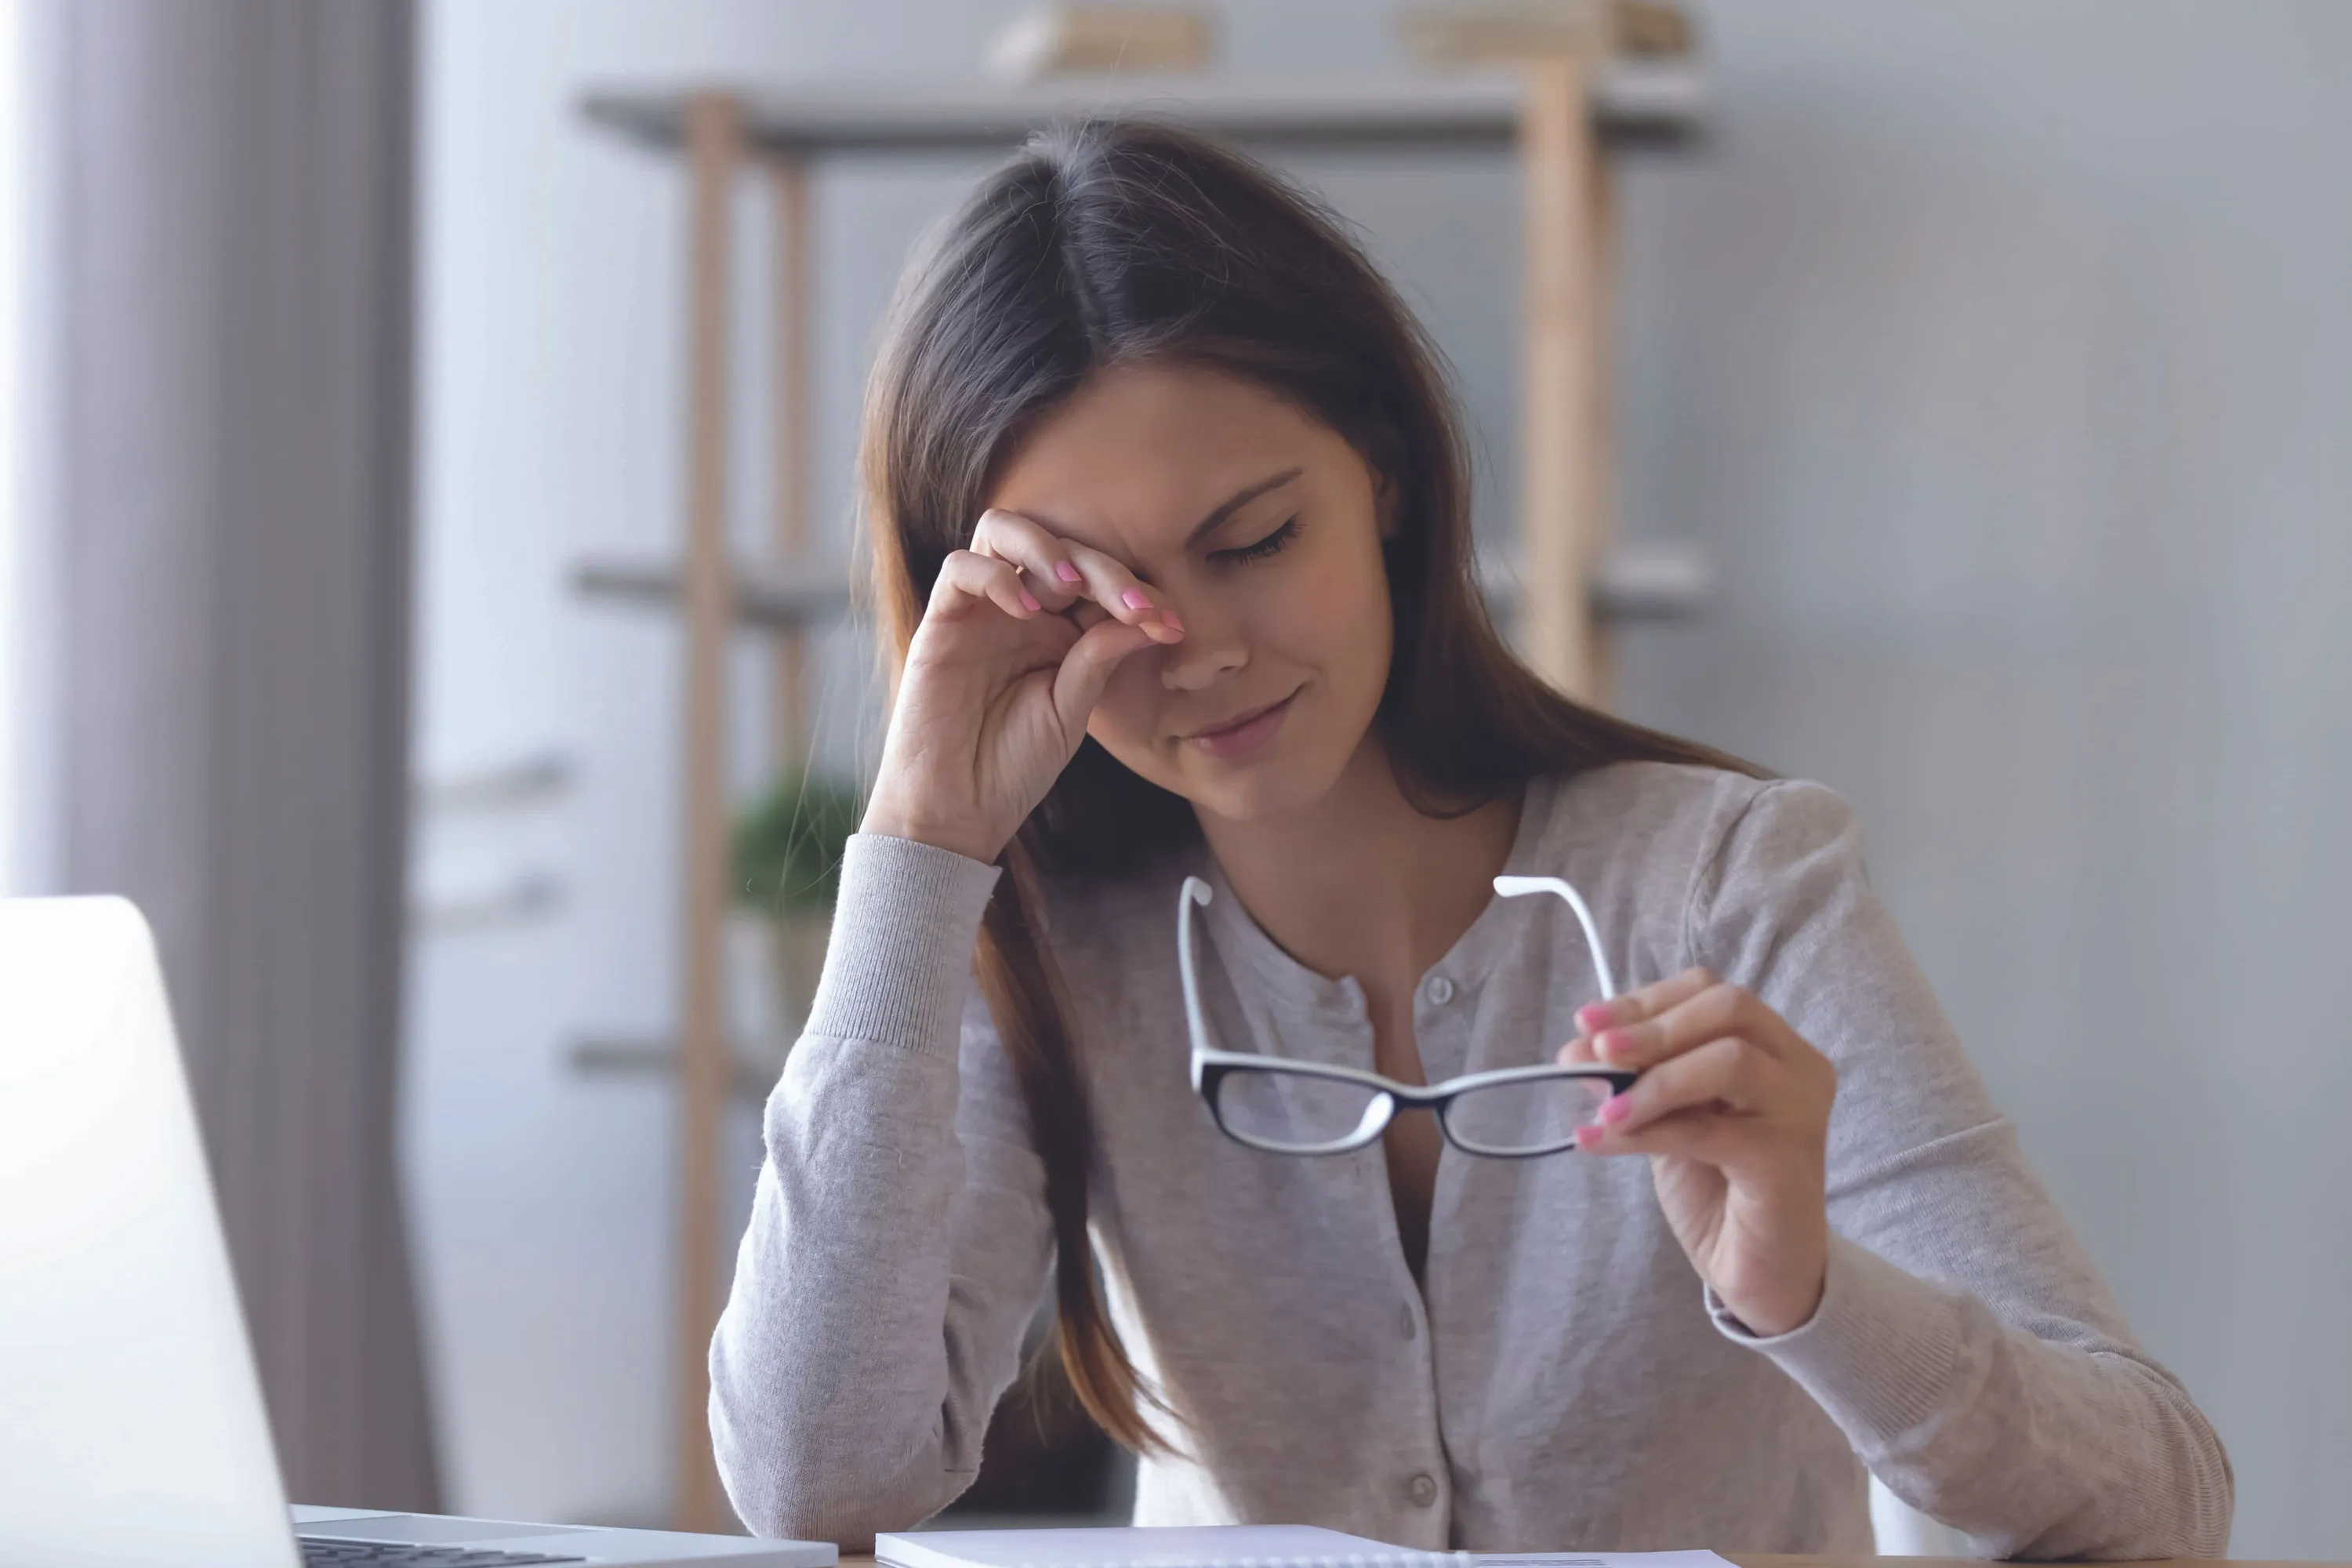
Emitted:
pixel 1239 940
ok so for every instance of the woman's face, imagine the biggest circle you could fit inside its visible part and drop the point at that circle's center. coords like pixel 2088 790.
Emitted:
pixel 1262 528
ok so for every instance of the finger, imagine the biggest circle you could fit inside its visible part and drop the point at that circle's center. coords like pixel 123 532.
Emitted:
pixel 1118 590
pixel 1087 667
pixel 1724 1075
pixel 1707 1136
pixel 1719 1010
pixel 1647 1002
pixel 1632 1007
pixel 1042 556
pixel 966 578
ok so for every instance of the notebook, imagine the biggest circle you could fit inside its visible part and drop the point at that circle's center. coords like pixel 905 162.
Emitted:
pixel 1226 1546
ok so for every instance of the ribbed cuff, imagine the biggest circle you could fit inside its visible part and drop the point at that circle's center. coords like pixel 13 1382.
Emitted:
pixel 1878 1354
pixel 897 966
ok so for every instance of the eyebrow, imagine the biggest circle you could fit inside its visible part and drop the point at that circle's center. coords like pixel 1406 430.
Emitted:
pixel 1236 501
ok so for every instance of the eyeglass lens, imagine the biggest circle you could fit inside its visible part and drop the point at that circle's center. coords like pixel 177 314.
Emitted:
pixel 1534 1116
pixel 1298 1111
pixel 1279 1110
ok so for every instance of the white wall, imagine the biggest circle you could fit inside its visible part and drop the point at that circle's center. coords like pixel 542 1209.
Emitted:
pixel 2000 356
pixel 17 875
pixel 1995 350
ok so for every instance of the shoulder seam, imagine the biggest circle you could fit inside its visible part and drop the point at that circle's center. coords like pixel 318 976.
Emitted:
pixel 1707 870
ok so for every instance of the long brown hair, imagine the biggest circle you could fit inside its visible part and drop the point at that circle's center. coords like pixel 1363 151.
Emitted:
pixel 1111 243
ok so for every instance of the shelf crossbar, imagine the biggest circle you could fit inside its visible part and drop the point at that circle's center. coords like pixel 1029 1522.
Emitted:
pixel 1630 103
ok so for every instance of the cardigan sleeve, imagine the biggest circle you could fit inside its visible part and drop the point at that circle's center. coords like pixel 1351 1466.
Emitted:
pixel 898 1239
pixel 1964 1342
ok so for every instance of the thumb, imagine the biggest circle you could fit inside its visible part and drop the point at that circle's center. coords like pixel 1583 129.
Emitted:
pixel 1087 667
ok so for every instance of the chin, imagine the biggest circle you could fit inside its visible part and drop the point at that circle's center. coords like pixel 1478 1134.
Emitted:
pixel 1266 790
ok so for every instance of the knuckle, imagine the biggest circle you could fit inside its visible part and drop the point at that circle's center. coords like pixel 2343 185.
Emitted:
pixel 1722 1002
pixel 1111 571
pixel 952 575
pixel 1752 1070
pixel 1018 535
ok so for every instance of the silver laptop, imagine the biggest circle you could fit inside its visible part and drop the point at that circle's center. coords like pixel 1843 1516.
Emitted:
pixel 132 1426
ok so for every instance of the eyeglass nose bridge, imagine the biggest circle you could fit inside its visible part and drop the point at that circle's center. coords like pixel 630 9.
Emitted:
pixel 1519 887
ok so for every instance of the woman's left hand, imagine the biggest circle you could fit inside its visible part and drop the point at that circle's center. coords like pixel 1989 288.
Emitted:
pixel 1733 1108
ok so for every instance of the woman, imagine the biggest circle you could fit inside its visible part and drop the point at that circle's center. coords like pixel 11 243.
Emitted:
pixel 1170 525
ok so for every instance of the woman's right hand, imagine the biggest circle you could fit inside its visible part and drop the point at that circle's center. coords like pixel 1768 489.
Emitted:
pixel 1022 632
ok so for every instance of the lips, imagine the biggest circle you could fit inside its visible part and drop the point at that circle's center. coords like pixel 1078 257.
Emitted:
pixel 1237 737
pixel 1240 721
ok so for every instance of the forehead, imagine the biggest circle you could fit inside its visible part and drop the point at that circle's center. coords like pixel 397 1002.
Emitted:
pixel 1140 455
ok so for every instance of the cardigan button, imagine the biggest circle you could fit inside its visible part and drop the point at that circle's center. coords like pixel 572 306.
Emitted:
pixel 1439 990
pixel 1422 1490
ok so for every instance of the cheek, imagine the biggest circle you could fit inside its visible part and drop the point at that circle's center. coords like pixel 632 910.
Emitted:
pixel 1335 618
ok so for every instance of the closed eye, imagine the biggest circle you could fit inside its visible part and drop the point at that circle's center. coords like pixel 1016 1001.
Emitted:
pixel 1271 545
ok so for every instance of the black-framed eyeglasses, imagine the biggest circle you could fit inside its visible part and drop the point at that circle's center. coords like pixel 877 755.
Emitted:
pixel 1287 1107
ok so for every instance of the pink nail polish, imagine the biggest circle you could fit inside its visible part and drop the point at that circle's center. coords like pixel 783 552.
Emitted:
pixel 1593 1016
pixel 1065 572
pixel 1029 601
pixel 1585 1137
pixel 1173 623
pixel 1615 1109
pixel 1136 599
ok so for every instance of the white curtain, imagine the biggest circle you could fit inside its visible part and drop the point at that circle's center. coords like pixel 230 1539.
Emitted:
pixel 220 240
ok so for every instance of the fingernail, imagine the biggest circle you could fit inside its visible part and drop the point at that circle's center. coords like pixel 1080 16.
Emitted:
pixel 1592 1015
pixel 1136 599
pixel 1029 601
pixel 1612 1043
pixel 1174 624
pixel 1065 572
pixel 1585 1137
pixel 1616 1108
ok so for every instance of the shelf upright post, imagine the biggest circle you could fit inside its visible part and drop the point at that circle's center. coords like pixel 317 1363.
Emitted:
pixel 714 149
pixel 794 406
pixel 1559 453
pixel 1600 473
pixel 797 941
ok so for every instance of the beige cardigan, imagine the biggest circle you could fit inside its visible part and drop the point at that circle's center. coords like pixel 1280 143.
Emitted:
pixel 1563 1381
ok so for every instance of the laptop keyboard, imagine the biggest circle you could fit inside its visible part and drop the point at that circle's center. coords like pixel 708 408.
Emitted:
pixel 325 1554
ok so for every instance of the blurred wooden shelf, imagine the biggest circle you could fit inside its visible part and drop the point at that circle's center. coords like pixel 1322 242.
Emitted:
pixel 753 1068
pixel 772 593
pixel 1658 580
pixel 1632 103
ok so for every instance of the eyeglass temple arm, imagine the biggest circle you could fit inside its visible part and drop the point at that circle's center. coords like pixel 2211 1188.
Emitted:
pixel 1516 887
pixel 1194 892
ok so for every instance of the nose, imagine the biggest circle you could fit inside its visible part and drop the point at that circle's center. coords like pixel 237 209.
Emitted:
pixel 1212 650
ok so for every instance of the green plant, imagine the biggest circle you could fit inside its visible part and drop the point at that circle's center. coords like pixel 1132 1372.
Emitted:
pixel 788 845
